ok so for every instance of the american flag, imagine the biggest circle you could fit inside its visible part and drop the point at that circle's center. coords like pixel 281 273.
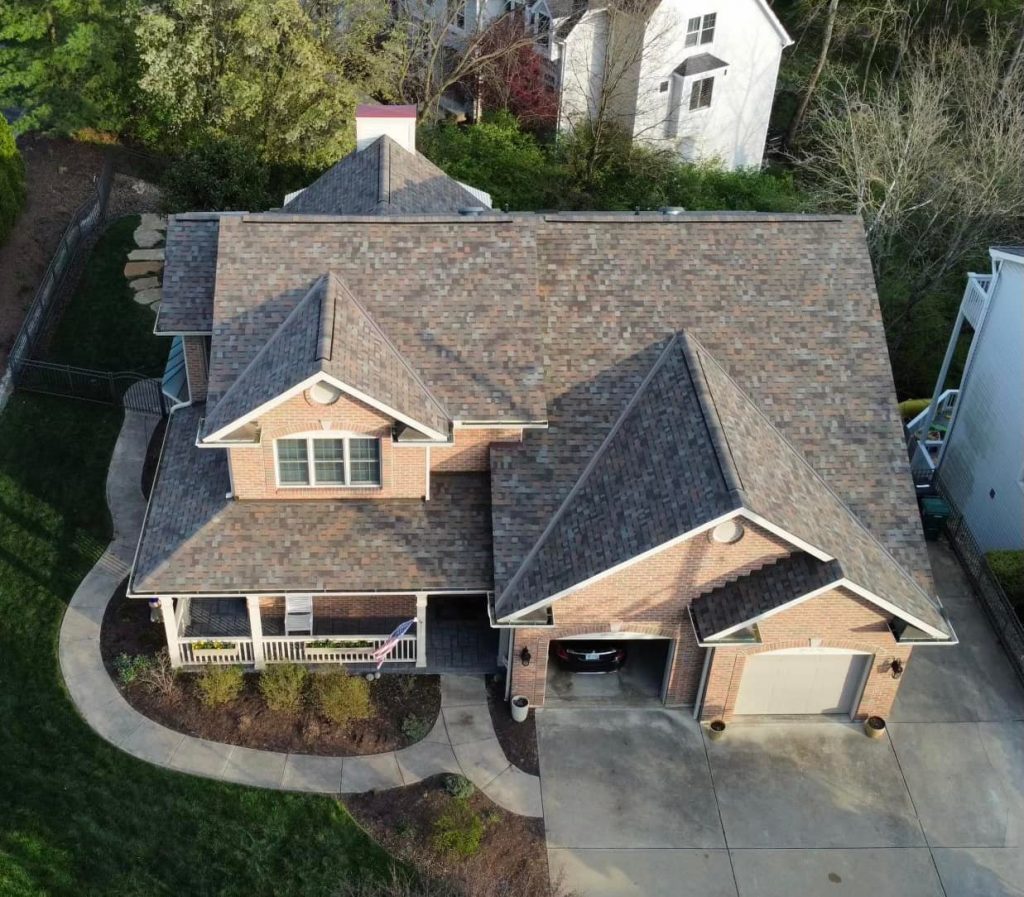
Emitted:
pixel 380 655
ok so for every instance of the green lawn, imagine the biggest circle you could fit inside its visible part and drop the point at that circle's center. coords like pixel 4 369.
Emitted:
pixel 102 326
pixel 78 817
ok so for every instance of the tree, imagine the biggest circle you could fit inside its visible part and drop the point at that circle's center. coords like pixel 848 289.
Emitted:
pixel 515 81
pixel 68 64
pixel 819 67
pixel 12 180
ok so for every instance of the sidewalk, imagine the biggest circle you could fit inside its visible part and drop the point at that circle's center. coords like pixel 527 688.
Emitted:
pixel 462 740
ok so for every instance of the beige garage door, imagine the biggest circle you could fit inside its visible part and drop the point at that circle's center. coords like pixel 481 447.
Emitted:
pixel 801 683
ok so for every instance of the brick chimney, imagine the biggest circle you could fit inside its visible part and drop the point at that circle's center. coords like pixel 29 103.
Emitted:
pixel 396 122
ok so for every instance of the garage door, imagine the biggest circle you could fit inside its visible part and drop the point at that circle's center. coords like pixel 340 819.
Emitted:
pixel 801 683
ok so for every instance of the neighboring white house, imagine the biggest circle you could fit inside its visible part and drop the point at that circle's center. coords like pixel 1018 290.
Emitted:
pixel 974 435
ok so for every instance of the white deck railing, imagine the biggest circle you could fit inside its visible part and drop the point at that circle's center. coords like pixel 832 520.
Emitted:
pixel 300 649
pixel 228 651
pixel 975 298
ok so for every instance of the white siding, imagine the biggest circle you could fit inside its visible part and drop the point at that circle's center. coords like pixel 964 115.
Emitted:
pixel 985 452
pixel 582 61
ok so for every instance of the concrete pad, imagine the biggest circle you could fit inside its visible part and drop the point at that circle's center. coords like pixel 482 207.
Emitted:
pixel 992 871
pixel 425 759
pixel 811 785
pixel 81 624
pixel 146 255
pixel 836 873
pixel 517 791
pixel 144 283
pixel 460 691
pixel 626 778
pixel 439 733
pixel 140 269
pixel 469 723
pixel 261 769
pixel 965 779
pixel 303 772
pixel 373 773
pixel 117 722
pixel 151 221
pixel 481 761
pixel 201 758
pixel 153 743
pixel 148 297
pixel 642 873
pixel 147 239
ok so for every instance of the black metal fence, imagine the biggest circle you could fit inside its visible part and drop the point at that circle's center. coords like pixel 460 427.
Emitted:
pixel 994 600
pixel 135 392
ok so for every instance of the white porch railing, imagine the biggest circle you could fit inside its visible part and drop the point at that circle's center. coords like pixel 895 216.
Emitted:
pixel 341 649
pixel 221 650
pixel 975 298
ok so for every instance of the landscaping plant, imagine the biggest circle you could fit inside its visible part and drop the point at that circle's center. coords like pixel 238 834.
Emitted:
pixel 458 786
pixel 459 829
pixel 131 667
pixel 415 728
pixel 220 684
pixel 12 180
pixel 283 686
pixel 160 677
pixel 340 697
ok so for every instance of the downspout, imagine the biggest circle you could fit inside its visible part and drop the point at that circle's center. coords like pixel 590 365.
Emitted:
pixel 698 705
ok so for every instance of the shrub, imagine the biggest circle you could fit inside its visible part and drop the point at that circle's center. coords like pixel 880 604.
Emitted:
pixel 458 830
pixel 415 728
pixel 220 684
pixel 130 667
pixel 217 177
pixel 911 408
pixel 340 697
pixel 282 686
pixel 160 677
pixel 12 180
pixel 1008 567
pixel 458 786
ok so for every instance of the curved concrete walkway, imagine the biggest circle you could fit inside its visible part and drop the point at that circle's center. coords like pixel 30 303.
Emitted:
pixel 462 740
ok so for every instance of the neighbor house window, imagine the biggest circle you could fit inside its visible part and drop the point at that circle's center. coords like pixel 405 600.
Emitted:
pixel 328 461
pixel 700 93
pixel 700 30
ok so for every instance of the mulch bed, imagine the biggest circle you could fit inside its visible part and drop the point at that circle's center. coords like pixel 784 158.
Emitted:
pixel 246 721
pixel 517 740
pixel 512 858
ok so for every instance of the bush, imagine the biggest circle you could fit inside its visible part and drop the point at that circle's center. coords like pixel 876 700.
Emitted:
pixel 220 684
pixel 458 830
pixel 415 728
pixel 131 667
pixel 282 686
pixel 160 677
pixel 340 697
pixel 218 177
pixel 458 786
pixel 1008 567
pixel 911 408
pixel 12 180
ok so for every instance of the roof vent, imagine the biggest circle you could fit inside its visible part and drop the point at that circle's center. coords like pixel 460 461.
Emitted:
pixel 472 210
pixel 728 532
pixel 671 210
pixel 323 393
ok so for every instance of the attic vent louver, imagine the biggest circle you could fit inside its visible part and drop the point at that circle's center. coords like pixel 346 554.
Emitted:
pixel 472 210
pixel 672 210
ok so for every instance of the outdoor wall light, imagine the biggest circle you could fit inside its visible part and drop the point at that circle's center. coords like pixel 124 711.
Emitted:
pixel 525 657
pixel 896 667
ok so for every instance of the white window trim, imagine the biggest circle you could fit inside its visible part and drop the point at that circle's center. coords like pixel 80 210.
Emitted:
pixel 688 93
pixel 311 461
pixel 699 32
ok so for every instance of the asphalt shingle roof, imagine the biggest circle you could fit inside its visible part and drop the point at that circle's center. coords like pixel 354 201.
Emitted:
pixel 382 179
pixel 329 332
pixel 190 273
pixel 772 586
pixel 197 541
pixel 700 63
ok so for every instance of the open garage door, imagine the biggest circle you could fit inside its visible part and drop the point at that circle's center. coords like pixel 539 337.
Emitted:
pixel 797 684
pixel 639 681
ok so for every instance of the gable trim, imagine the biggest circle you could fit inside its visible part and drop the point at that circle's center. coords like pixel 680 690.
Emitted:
pixel 773 19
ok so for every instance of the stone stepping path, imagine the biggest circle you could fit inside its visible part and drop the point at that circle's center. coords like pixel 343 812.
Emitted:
pixel 145 265
pixel 461 741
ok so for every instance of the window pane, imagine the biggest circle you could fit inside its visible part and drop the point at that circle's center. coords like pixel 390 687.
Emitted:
pixel 708 34
pixel 365 461
pixel 292 468
pixel 692 32
pixel 706 86
pixel 329 461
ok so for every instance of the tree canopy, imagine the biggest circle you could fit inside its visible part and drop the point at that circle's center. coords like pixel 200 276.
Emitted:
pixel 12 180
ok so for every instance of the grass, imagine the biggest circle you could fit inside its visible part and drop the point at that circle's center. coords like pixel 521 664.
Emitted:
pixel 77 816
pixel 103 327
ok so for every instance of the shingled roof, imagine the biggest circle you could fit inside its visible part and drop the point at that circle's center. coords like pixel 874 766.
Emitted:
pixel 190 274
pixel 329 333
pixel 197 541
pixel 382 179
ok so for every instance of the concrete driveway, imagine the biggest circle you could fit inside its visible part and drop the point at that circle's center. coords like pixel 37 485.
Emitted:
pixel 637 802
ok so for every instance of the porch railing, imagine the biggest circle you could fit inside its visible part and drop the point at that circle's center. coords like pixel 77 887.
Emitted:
pixel 227 650
pixel 303 649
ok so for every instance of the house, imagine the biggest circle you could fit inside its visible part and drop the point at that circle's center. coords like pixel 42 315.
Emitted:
pixel 972 436
pixel 675 431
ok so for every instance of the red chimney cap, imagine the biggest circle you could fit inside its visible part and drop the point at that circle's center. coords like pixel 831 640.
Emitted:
pixel 370 111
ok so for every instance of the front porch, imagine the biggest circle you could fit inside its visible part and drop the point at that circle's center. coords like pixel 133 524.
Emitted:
pixel 451 634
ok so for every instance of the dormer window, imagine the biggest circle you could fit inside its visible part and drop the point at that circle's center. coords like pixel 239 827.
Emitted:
pixel 700 30
pixel 328 461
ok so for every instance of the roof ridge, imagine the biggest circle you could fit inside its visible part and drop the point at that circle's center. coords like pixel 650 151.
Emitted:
pixel 383 171
pixel 591 464
pixel 325 324
pixel 814 473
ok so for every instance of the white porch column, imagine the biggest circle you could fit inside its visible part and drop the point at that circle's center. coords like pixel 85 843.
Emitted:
pixel 252 602
pixel 421 629
pixel 170 630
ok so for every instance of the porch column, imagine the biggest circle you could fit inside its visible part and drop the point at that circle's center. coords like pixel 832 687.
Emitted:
pixel 252 603
pixel 421 629
pixel 170 629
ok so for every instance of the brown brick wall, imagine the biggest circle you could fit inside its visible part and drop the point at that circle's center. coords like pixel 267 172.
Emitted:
pixel 196 367
pixel 471 449
pixel 650 596
pixel 403 470
pixel 836 619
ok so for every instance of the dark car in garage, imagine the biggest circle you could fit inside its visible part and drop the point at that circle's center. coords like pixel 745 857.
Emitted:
pixel 590 657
